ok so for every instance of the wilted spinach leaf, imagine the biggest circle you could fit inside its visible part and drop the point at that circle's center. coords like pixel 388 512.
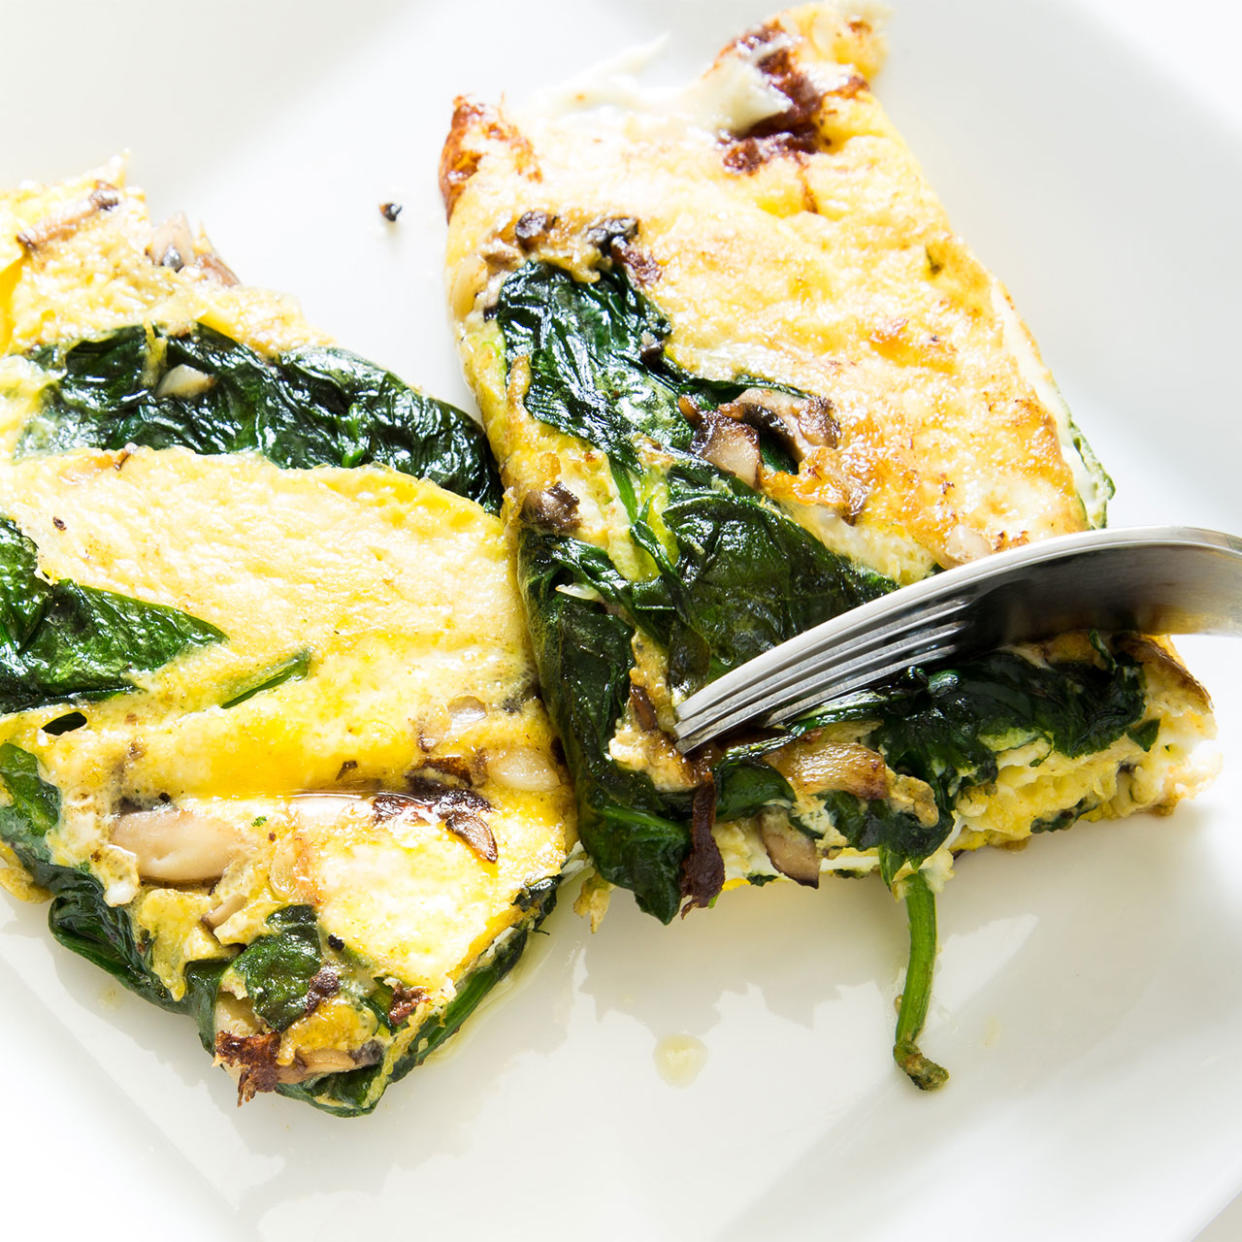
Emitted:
pixel 636 836
pixel 309 407
pixel 294 668
pixel 946 727
pixel 78 916
pixel 83 643
pixel 278 969
pixel 23 594
pixel 747 577
pixel 733 576
pixel 598 370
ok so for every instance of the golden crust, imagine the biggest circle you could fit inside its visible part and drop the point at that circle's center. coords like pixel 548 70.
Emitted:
pixel 805 249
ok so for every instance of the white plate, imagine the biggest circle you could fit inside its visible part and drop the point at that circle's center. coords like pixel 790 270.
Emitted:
pixel 1089 994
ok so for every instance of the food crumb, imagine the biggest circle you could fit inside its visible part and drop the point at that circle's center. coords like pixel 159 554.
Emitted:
pixel 390 211
pixel 680 1059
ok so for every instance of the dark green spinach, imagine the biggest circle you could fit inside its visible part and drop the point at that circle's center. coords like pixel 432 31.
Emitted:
pixel 279 969
pixel 598 367
pixel 309 407
pixel 78 643
pixel 294 668
pixel 743 577
pixel 637 836
pixel 78 917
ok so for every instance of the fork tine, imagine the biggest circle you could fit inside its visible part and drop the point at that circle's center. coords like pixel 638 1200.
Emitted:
pixel 902 657
pixel 1158 580
pixel 895 656
pixel 811 651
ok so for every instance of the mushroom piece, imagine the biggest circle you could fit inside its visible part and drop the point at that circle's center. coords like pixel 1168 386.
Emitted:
pixel 847 766
pixel 220 914
pixel 792 852
pixel 803 424
pixel 177 846
pixel 555 509
pixel 325 810
pixel 172 243
pixel 729 445
pixel 532 227
pixel 523 767
pixel 68 220
pixel 458 809
pixel 184 381
pixel 465 712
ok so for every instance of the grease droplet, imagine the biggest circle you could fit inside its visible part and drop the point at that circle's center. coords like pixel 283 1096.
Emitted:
pixel 680 1058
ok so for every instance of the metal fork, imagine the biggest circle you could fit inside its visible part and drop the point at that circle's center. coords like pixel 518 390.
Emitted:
pixel 1156 579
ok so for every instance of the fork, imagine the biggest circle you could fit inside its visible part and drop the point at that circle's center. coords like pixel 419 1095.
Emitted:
pixel 1157 579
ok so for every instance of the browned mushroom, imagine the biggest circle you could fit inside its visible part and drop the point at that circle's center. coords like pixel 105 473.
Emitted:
pixel 68 220
pixel 532 227
pixel 792 852
pixel 172 243
pixel 458 809
pixel 803 424
pixel 847 766
pixel 555 509
pixel 729 445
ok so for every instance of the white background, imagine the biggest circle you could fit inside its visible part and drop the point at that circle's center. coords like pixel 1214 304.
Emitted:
pixel 1089 998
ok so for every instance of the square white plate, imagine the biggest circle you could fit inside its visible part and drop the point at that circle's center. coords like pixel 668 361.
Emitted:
pixel 1089 991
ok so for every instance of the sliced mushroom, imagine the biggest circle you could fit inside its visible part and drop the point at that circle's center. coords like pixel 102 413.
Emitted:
pixel 555 509
pixel 311 1062
pixel 703 871
pixel 803 424
pixel 792 852
pixel 66 222
pixel 532 227
pixel 221 913
pixel 172 243
pixel 475 833
pixel 729 445
pixel 213 266
pixel 523 767
pixel 322 810
pixel 643 708
pixel 612 229
pixel 812 767
pixel 177 846
pixel 963 543
pixel 458 809
pixel 463 713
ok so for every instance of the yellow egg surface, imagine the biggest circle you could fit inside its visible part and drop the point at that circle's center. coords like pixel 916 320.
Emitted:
pixel 326 824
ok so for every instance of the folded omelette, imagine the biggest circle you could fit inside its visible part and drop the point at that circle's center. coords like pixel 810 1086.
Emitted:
pixel 741 376
pixel 270 738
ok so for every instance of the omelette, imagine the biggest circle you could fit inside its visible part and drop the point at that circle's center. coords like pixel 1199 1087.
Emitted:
pixel 741 376
pixel 271 741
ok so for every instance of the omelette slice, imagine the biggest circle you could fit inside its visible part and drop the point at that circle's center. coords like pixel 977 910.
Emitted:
pixel 270 738
pixel 741 376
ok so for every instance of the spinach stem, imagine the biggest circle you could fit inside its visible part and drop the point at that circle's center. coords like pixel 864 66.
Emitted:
pixel 921 910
